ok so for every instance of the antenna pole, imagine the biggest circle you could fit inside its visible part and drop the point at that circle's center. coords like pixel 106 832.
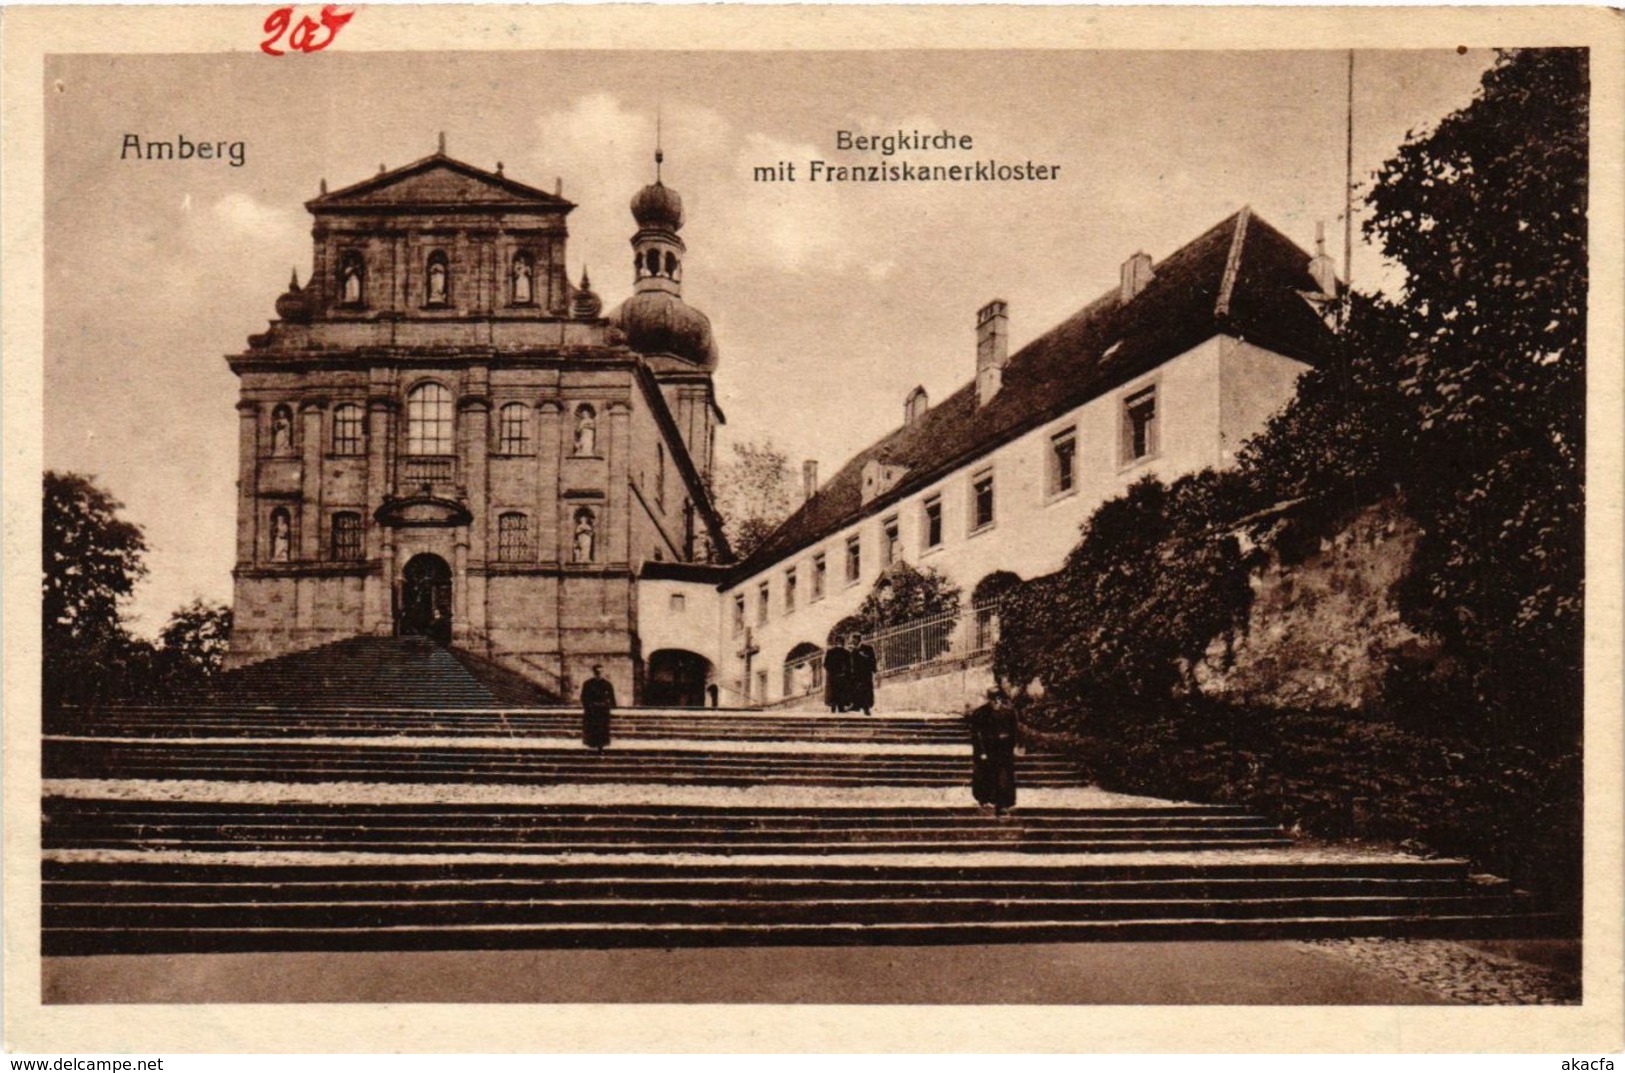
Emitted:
pixel 1348 197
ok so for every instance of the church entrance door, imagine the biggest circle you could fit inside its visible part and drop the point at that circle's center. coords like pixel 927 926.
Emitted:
pixel 426 599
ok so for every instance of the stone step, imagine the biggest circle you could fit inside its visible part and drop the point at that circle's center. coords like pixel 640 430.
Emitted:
pixel 59 942
pixel 745 911
pixel 635 724
pixel 715 869
pixel 294 762
pixel 159 890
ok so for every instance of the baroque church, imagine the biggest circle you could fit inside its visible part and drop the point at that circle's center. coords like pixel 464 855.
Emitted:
pixel 442 435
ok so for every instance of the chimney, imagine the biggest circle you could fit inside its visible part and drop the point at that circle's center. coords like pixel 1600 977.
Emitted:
pixel 992 349
pixel 1322 267
pixel 915 405
pixel 809 479
pixel 1136 274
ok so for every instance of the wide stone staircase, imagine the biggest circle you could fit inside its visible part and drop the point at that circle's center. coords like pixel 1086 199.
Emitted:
pixel 232 826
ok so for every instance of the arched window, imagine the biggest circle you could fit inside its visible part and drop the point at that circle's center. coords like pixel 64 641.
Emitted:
pixel 428 420
pixel 586 434
pixel 352 278
pixel 584 537
pixel 281 430
pixel 513 429
pixel 513 538
pixel 652 262
pixel 438 279
pixel 671 264
pixel 524 279
pixel 347 536
pixel 349 430
pixel 281 537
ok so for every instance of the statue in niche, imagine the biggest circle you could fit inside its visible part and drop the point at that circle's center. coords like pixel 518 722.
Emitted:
pixel 586 438
pixel 586 535
pixel 281 537
pixel 437 283
pixel 351 279
pixel 522 293
pixel 281 430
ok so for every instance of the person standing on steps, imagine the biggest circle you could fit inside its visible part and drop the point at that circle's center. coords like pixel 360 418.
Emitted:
pixel 837 670
pixel 860 674
pixel 993 752
pixel 597 698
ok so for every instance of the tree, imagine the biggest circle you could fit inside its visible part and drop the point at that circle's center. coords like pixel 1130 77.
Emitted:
pixel 753 494
pixel 1119 628
pixel 92 561
pixel 903 595
pixel 1487 215
pixel 192 646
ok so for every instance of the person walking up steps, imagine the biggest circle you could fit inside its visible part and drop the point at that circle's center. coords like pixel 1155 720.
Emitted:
pixel 860 674
pixel 597 699
pixel 993 752
pixel 837 672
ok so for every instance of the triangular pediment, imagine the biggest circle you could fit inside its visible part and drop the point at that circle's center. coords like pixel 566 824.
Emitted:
pixel 435 181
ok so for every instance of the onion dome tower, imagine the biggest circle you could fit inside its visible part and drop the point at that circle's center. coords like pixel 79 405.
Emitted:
pixel 656 320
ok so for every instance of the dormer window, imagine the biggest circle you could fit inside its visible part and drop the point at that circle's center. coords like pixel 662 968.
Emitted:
pixel 524 280
pixel 352 278
pixel 438 279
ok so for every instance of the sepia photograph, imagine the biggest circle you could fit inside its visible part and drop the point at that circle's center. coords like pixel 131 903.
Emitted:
pixel 859 526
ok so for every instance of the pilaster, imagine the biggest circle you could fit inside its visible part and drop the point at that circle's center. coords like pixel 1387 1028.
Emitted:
pixel 248 463
pixel 310 479
pixel 550 433
pixel 615 530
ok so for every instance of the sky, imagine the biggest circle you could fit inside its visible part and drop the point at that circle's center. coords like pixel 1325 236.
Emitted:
pixel 829 301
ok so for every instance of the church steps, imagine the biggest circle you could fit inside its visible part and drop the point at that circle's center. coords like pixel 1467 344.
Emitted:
pixel 600 935
pixel 831 911
pixel 636 724
pixel 693 887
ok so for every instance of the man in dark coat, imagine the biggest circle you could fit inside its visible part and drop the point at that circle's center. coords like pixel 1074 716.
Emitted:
pixel 860 674
pixel 597 698
pixel 993 752
pixel 837 671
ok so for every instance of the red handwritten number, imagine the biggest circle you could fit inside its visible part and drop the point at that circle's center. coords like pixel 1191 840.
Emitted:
pixel 304 35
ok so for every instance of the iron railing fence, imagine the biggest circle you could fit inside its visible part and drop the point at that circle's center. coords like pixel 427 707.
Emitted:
pixel 956 635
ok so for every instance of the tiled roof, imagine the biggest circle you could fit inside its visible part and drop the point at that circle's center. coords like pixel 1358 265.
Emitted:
pixel 1242 277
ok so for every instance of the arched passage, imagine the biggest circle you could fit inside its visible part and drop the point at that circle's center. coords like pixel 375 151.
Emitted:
pixel 803 670
pixel 425 608
pixel 676 679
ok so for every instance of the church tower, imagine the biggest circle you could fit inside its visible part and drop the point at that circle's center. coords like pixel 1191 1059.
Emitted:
pixel 674 336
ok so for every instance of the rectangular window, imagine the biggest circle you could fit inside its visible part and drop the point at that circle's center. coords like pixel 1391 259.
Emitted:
pixel 854 558
pixel 739 613
pixel 348 430
pixel 789 590
pixel 1140 425
pixel 762 597
pixel 820 572
pixel 347 536
pixel 981 500
pixel 890 542
pixel 679 603
pixel 933 522
pixel 513 429
pixel 1063 462
pixel 513 538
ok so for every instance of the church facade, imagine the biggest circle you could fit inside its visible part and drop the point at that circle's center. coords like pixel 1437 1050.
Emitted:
pixel 441 434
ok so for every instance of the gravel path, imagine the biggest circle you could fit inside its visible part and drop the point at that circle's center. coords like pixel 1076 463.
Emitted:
pixel 1454 971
